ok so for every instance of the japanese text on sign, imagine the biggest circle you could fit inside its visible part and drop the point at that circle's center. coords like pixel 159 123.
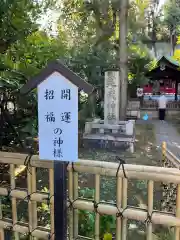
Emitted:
pixel 57 142
pixel 65 117
pixel 58 119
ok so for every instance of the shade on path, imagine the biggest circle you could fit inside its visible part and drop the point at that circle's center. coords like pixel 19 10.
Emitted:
pixel 165 131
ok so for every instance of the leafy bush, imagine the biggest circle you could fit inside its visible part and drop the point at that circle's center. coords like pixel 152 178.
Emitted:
pixel 87 219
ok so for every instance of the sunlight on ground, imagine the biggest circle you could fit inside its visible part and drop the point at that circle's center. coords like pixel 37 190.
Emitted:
pixel 175 121
pixel 19 170
pixel 176 144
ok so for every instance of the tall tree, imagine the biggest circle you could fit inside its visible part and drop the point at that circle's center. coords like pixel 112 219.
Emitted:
pixel 23 60
pixel 172 21
pixel 23 51
pixel 123 57
pixel 101 20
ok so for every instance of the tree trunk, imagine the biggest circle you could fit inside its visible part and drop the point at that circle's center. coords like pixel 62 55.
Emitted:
pixel 123 73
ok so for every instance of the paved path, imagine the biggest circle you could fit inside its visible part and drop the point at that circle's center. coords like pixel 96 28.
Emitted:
pixel 165 131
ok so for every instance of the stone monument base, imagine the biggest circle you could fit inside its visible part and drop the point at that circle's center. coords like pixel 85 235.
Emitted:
pixel 99 134
pixel 133 110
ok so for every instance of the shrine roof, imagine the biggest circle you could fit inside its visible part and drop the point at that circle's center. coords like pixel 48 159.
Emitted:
pixel 170 60
pixel 166 67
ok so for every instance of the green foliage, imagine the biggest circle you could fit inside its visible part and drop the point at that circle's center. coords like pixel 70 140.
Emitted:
pixel 23 60
pixel 86 40
pixel 23 52
pixel 30 56
pixel 166 235
pixel 138 61
pixel 87 219
pixel 108 223
pixel 172 16
pixel 92 20
pixel 18 20
pixel 102 51
pixel 44 212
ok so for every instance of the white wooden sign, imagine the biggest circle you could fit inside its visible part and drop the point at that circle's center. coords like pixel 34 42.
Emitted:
pixel 58 119
pixel 139 92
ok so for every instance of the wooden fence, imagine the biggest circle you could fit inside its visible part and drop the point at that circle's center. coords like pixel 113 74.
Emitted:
pixel 169 159
pixel 169 190
pixel 120 209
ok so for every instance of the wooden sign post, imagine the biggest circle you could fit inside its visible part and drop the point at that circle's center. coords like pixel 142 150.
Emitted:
pixel 58 129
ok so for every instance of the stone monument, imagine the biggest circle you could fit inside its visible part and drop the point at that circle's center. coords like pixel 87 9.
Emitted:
pixel 110 132
pixel 111 97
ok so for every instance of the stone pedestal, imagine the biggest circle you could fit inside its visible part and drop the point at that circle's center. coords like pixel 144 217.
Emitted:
pixel 133 110
pixel 110 133
pixel 112 136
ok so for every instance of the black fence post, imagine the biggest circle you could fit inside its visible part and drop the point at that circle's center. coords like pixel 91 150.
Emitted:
pixel 60 200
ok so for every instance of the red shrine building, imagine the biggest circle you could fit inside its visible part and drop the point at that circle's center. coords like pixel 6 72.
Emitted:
pixel 166 85
pixel 165 77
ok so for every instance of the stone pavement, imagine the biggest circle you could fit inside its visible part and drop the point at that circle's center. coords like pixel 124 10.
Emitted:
pixel 165 131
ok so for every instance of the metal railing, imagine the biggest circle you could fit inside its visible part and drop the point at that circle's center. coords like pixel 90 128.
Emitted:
pixel 152 104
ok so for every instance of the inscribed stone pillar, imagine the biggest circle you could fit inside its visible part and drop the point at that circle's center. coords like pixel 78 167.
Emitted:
pixel 111 98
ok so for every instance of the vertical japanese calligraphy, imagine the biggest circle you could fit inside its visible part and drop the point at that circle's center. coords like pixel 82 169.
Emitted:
pixel 57 142
pixel 50 117
pixel 49 94
pixel 58 119
pixel 66 117
pixel 111 79
pixel 66 94
pixel 111 103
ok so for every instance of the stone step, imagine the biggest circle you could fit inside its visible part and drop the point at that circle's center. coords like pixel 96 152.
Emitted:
pixel 110 137
pixel 109 145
